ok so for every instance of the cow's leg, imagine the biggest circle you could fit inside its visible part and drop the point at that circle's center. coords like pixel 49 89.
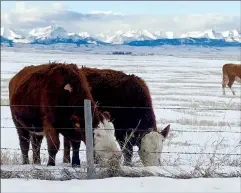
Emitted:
pixel 36 141
pixel 96 159
pixel 224 83
pixel 127 152
pixel 223 86
pixel 67 145
pixel 75 155
pixel 52 137
pixel 53 146
pixel 230 83
pixel 24 138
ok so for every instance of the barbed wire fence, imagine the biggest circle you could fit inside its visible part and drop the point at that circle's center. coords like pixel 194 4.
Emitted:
pixel 90 170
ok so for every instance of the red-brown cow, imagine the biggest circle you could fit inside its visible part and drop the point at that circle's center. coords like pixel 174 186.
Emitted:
pixel 38 95
pixel 231 72
pixel 128 100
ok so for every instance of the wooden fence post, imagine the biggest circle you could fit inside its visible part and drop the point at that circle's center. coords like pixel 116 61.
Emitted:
pixel 89 140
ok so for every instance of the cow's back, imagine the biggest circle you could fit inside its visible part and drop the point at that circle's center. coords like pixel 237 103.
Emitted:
pixel 126 97
pixel 27 81
pixel 232 70
pixel 25 89
pixel 18 79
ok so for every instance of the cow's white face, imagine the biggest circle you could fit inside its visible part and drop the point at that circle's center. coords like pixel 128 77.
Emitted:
pixel 151 147
pixel 105 144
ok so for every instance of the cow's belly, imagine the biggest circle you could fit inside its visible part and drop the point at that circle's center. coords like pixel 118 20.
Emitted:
pixel 238 79
pixel 33 123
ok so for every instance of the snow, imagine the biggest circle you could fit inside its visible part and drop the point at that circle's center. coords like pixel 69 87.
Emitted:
pixel 84 34
pixel 189 79
pixel 119 37
pixel 130 35
pixel 48 32
pixel 170 34
pixel 9 33
pixel 147 184
pixel 208 34
pixel 234 33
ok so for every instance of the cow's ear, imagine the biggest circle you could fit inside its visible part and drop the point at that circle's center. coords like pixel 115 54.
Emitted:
pixel 68 87
pixel 165 131
pixel 74 118
pixel 106 115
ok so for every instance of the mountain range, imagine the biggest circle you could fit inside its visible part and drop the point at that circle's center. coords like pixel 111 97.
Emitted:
pixel 56 34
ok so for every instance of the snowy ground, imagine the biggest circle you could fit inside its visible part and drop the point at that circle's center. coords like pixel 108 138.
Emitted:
pixel 148 184
pixel 202 120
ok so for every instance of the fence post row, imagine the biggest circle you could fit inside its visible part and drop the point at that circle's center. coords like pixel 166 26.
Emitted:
pixel 89 140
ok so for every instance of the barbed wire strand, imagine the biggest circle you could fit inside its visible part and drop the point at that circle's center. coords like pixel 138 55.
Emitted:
pixel 166 152
pixel 124 107
pixel 140 130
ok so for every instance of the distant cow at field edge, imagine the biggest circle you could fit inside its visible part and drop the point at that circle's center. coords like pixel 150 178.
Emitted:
pixel 231 72
pixel 128 100
pixel 48 89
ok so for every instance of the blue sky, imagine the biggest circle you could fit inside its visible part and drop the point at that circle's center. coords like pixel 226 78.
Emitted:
pixel 142 7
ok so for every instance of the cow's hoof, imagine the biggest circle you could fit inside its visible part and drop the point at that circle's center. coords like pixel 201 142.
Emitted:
pixel 75 162
pixel 37 162
pixel 66 160
pixel 51 164
pixel 128 164
pixel 25 161
pixel 75 166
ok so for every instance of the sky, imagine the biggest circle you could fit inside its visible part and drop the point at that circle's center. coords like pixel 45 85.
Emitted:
pixel 76 16
pixel 142 7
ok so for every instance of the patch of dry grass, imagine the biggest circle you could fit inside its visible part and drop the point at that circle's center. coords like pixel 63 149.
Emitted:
pixel 15 157
pixel 10 158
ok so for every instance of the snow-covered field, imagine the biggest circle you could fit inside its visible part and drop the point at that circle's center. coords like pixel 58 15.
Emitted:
pixel 186 92
pixel 149 184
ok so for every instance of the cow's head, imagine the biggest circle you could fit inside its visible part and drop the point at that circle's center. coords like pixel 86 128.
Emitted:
pixel 151 147
pixel 106 147
pixel 105 144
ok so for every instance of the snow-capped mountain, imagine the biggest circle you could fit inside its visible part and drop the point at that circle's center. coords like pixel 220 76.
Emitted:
pixel 168 34
pixel 56 34
pixel 10 34
pixel 206 34
pixel 102 37
pixel 81 35
pixel 230 36
pixel 123 37
pixel 49 32
pixel 84 34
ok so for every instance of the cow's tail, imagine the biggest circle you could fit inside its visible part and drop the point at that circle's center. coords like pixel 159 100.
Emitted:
pixel 225 77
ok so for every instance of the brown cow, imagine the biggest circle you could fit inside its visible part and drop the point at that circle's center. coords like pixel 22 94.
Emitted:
pixel 128 100
pixel 38 95
pixel 231 72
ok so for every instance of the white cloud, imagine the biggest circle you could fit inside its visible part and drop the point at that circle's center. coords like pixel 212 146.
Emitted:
pixel 105 12
pixel 58 6
pixel 26 17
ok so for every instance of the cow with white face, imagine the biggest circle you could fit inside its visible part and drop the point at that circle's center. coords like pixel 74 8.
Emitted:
pixel 151 146
pixel 106 147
